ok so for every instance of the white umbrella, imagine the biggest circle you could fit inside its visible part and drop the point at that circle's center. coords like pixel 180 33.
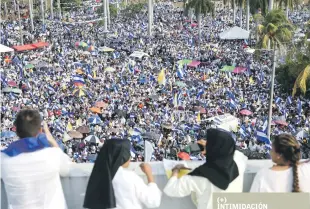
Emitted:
pixel 92 139
pixel 109 69
pixel 86 53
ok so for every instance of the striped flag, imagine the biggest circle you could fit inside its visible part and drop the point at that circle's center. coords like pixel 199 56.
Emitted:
pixel 78 79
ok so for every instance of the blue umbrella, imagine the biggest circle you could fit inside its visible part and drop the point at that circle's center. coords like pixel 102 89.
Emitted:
pixel 94 120
pixel 8 134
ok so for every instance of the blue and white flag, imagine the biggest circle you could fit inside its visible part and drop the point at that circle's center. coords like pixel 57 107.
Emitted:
pixel 59 128
pixel 261 77
pixel 230 95
pixel 299 107
pixel 233 104
pixel 200 93
pixel 131 69
pixel 78 79
pixel 292 128
pixel 51 89
pixel 265 126
pixel 242 132
pixel 261 136
pixel 180 72
pixel 278 100
pixel 289 100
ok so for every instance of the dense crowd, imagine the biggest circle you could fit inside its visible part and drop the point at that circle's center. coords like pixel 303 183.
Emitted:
pixel 89 87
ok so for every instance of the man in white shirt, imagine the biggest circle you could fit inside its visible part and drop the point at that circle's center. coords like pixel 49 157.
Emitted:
pixel 31 166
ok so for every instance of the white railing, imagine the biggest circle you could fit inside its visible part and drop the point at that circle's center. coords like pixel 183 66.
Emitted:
pixel 75 184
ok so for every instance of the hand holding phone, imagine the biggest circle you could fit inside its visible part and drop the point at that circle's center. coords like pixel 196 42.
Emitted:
pixel 49 136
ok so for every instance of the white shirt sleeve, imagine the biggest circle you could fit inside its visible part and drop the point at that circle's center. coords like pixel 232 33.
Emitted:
pixel 183 186
pixel 64 163
pixel 257 182
pixel 148 194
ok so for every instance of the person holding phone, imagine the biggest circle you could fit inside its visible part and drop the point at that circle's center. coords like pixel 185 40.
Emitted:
pixel 31 166
pixel 222 171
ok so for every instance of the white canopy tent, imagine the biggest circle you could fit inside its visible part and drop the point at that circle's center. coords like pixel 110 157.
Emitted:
pixel 138 54
pixel 4 49
pixel 227 122
pixel 234 33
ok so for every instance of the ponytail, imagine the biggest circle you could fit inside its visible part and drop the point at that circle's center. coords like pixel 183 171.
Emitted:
pixel 295 178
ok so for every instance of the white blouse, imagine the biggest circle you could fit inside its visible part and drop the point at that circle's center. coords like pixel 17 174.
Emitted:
pixel 131 191
pixel 201 189
pixel 264 180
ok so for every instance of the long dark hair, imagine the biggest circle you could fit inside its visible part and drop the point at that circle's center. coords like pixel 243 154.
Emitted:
pixel 289 148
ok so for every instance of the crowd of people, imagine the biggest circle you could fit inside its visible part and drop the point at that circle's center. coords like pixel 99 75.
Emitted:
pixel 90 86
pixel 31 168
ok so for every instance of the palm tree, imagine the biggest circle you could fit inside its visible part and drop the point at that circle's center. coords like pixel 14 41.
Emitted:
pixel 302 80
pixel 289 4
pixel 258 19
pixel 201 7
pixel 276 29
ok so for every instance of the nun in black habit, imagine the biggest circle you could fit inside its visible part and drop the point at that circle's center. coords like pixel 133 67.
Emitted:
pixel 222 171
pixel 113 185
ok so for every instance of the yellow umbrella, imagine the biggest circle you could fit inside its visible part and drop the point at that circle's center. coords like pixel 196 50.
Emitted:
pixel 109 69
pixel 78 92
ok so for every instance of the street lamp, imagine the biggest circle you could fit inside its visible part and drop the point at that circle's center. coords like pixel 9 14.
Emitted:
pixel 105 15
pixel 59 9
pixel 248 15
pixel 271 94
pixel 42 13
pixel 150 17
pixel 271 89
pixel 31 15
pixel 52 9
pixel 20 25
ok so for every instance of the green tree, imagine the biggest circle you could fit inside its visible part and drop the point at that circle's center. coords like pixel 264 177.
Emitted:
pixel 201 7
pixel 275 29
pixel 294 72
